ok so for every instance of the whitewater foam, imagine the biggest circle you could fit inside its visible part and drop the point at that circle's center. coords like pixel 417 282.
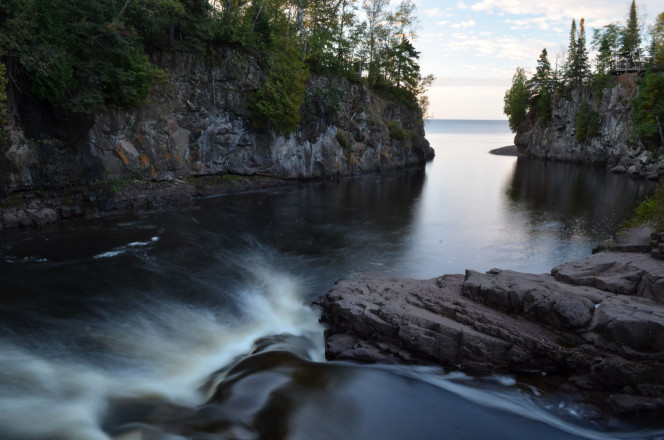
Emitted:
pixel 161 350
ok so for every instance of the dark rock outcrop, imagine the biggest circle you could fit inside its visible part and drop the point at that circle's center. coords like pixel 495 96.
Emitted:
pixel 598 322
pixel 615 146
pixel 196 124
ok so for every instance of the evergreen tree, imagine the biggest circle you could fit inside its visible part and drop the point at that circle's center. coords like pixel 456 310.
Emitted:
pixel 543 74
pixel 631 37
pixel 541 84
pixel 402 65
pixel 571 54
pixel 576 68
pixel 582 66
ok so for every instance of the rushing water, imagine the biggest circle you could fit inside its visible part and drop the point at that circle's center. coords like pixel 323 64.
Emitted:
pixel 125 324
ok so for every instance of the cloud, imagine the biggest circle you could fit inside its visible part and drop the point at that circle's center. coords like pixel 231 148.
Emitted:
pixel 527 23
pixel 508 48
pixel 481 82
pixel 464 24
pixel 443 23
pixel 600 11
pixel 437 12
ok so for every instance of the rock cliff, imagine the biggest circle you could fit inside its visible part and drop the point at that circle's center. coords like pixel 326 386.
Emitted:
pixel 195 123
pixel 555 139
pixel 597 322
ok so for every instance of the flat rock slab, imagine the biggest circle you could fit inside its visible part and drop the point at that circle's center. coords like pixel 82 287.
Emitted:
pixel 633 240
pixel 626 273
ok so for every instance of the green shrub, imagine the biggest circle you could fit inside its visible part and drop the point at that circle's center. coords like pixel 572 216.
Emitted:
pixel 398 132
pixel 650 211
pixel 75 53
pixel 343 139
pixel 543 105
pixel 600 81
pixel 278 102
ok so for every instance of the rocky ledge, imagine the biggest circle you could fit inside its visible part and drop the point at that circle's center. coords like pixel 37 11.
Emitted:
pixel 598 323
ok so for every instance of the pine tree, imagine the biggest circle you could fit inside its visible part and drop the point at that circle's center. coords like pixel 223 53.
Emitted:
pixel 541 83
pixel 631 37
pixel 582 66
pixel 543 75
pixel 571 54
pixel 577 69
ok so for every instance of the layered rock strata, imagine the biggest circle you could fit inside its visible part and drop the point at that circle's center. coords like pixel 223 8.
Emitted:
pixel 598 322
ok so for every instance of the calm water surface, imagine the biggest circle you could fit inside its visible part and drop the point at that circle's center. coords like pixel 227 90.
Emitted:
pixel 125 324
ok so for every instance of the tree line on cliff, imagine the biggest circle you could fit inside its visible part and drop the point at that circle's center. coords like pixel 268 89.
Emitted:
pixel 86 55
pixel 619 48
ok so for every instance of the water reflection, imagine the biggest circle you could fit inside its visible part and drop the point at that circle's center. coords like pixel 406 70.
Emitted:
pixel 570 200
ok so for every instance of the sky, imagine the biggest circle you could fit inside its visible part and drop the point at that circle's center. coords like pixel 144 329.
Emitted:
pixel 473 47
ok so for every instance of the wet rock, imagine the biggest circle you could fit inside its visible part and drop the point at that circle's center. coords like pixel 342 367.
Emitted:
pixel 44 216
pixel 10 220
pixel 630 404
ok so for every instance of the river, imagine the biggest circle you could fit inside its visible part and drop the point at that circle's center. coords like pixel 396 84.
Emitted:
pixel 193 321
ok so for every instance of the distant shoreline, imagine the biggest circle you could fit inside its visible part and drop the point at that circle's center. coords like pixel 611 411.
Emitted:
pixel 510 150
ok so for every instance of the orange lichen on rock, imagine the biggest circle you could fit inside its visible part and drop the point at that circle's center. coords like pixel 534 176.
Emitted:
pixel 167 153
pixel 122 155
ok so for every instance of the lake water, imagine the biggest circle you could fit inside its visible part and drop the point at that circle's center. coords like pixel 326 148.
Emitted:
pixel 194 318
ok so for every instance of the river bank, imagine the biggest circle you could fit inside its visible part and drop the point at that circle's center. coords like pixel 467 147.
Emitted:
pixel 122 195
pixel 597 324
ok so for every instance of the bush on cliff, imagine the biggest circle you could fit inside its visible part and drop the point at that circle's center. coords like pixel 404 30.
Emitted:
pixel 278 102
pixel 80 54
pixel 650 211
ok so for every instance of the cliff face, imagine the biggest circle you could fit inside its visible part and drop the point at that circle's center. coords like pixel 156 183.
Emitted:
pixel 197 123
pixel 555 139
